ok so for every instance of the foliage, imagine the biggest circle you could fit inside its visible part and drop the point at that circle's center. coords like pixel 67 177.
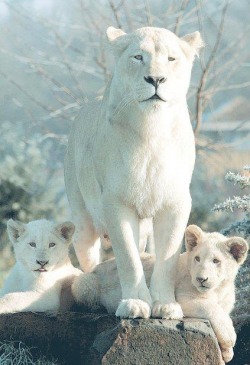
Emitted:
pixel 31 181
pixel 16 353
pixel 242 227
pixel 242 203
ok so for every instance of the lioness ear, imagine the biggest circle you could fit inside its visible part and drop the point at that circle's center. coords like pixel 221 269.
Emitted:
pixel 192 235
pixel 15 229
pixel 238 248
pixel 66 230
pixel 195 41
pixel 117 38
pixel 114 33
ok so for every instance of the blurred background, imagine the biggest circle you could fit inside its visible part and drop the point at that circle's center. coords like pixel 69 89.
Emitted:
pixel 53 58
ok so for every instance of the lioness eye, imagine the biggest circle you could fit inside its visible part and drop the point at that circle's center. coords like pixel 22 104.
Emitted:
pixel 138 57
pixel 52 244
pixel 32 244
pixel 171 58
pixel 197 258
pixel 216 261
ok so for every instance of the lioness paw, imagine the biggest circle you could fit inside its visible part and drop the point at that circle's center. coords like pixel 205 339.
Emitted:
pixel 227 354
pixel 167 311
pixel 133 308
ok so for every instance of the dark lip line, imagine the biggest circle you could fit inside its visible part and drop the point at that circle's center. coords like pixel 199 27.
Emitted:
pixel 155 97
pixel 41 270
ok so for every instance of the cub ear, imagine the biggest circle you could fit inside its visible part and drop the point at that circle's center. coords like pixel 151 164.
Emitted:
pixel 195 41
pixel 15 229
pixel 238 248
pixel 118 39
pixel 192 235
pixel 66 230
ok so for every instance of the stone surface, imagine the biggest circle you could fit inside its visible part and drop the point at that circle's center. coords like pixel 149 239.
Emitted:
pixel 92 339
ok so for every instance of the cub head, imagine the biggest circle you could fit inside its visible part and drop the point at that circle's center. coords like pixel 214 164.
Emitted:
pixel 40 245
pixel 153 65
pixel 213 258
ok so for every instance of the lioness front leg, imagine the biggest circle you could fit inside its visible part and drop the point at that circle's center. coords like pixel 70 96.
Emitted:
pixel 219 319
pixel 169 226
pixel 123 229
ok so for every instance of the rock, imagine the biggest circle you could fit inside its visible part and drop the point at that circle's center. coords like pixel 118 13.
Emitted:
pixel 92 339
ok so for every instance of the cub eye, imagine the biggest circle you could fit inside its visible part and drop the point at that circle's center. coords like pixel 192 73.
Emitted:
pixel 52 244
pixel 171 58
pixel 197 258
pixel 138 57
pixel 216 261
pixel 32 244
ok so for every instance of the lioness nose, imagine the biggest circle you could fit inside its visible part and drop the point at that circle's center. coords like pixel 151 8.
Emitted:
pixel 201 280
pixel 42 263
pixel 155 81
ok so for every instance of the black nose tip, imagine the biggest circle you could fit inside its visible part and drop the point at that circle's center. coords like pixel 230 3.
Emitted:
pixel 201 280
pixel 155 81
pixel 42 263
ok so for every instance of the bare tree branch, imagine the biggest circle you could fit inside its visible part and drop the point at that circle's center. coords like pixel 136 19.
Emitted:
pixel 180 17
pixel 210 62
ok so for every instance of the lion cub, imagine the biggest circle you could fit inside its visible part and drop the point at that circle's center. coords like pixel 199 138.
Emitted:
pixel 41 278
pixel 204 285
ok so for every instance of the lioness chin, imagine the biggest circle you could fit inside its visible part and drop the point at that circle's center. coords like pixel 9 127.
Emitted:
pixel 41 279
pixel 204 284
pixel 130 157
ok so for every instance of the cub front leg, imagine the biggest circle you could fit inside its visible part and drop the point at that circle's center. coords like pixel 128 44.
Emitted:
pixel 169 227
pixel 219 319
pixel 123 229
pixel 30 301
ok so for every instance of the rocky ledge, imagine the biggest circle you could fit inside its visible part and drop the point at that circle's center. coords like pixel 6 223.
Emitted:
pixel 84 338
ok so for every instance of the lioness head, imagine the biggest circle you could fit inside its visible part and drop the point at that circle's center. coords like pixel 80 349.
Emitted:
pixel 40 245
pixel 153 65
pixel 213 257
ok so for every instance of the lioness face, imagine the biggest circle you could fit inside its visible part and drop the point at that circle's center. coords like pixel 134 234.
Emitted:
pixel 154 65
pixel 40 245
pixel 213 257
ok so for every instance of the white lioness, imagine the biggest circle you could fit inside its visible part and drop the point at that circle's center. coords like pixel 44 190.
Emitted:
pixel 42 276
pixel 204 284
pixel 130 157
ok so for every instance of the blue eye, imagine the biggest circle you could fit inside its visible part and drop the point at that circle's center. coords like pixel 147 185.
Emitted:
pixel 32 244
pixel 171 59
pixel 197 258
pixel 52 244
pixel 216 261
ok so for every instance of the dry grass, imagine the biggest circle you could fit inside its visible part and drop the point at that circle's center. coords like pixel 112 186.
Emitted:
pixel 16 353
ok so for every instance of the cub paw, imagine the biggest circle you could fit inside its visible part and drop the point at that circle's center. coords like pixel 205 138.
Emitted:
pixel 133 308
pixel 167 311
pixel 227 354
pixel 229 335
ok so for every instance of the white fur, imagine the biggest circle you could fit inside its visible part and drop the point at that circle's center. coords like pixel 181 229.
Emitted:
pixel 27 289
pixel 131 159
pixel 214 301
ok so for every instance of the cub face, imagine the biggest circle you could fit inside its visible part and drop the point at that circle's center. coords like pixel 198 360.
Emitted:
pixel 40 245
pixel 213 257
pixel 154 64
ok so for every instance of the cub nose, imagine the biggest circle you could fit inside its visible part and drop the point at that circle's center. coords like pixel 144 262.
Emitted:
pixel 42 263
pixel 201 280
pixel 155 81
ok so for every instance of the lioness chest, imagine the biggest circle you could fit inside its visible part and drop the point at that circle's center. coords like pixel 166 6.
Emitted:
pixel 153 173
